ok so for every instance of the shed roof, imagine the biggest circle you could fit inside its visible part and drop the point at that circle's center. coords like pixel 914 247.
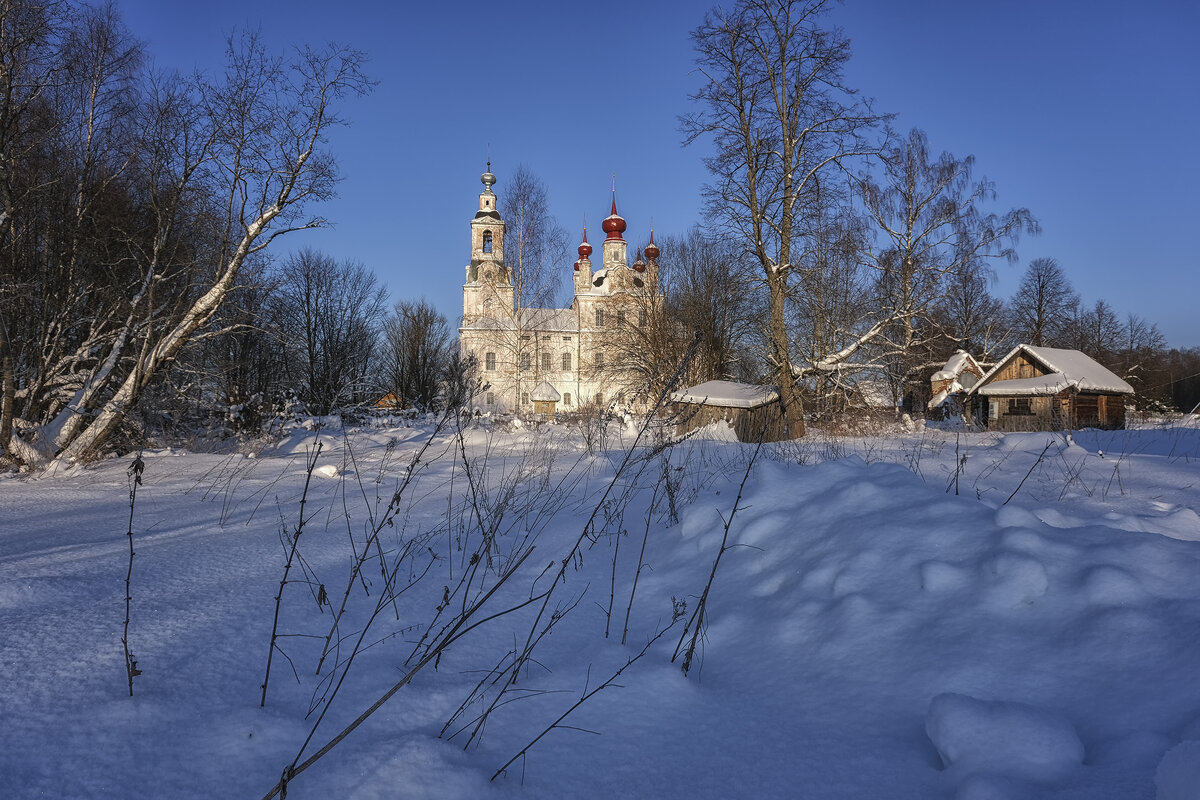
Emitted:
pixel 728 394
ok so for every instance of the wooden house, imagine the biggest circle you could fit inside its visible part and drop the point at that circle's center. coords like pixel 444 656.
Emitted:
pixel 752 411
pixel 949 384
pixel 1047 388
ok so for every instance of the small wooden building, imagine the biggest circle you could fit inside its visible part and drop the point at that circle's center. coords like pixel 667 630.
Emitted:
pixel 1047 388
pixel 545 397
pixel 390 402
pixel 752 411
pixel 949 384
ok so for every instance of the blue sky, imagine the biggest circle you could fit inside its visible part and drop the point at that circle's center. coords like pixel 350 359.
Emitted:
pixel 1085 113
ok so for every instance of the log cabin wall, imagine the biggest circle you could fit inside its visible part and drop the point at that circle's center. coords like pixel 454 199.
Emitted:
pixel 1055 413
pixel 1020 367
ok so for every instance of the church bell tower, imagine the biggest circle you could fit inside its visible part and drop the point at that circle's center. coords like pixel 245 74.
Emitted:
pixel 488 291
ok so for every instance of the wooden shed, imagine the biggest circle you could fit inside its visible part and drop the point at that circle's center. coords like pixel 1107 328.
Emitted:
pixel 545 397
pixel 752 411
pixel 1047 388
pixel 948 385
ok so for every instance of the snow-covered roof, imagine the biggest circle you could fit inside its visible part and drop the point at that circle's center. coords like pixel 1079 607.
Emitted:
pixel 728 394
pixel 1071 367
pixel 1041 385
pixel 955 366
pixel 545 393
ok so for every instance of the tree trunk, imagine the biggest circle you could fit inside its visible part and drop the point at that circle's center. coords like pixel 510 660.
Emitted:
pixel 789 397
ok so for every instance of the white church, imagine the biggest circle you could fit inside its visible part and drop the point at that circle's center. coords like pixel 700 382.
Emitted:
pixel 552 359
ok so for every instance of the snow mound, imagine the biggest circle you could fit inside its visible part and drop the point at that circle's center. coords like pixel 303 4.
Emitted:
pixel 1006 739
pixel 1178 776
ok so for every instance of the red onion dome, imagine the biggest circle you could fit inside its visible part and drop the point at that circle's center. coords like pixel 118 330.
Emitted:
pixel 652 250
pixel 639 265
pixel 585 249
pixel 614 224
pixel 577 266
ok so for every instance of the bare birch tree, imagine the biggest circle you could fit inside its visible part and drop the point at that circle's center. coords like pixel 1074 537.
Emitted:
pixel 929 214
pixel 221 168
pixel 535 253
pixel 780 115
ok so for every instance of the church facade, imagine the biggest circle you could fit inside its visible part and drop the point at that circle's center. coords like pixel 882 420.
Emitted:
pixel 528 357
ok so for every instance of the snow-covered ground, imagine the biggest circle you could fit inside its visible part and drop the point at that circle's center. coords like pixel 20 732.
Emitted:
pixel 882 623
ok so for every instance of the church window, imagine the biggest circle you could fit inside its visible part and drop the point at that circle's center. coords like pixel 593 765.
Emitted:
pixel 566 398
pixel 525 361
pixel 599 317
pixel 599 398
pixel 491 398
pixel 620 319
pixel 599 359
pixel 546 362
pixel 489 361
pixel 524 398
pixel 566 361
pixel 566 338
pixel 487 241
pixel 642 318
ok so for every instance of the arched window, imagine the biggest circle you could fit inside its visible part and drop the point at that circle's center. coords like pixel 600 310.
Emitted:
pixel 566 398
pixel 487 241
pixel 566 361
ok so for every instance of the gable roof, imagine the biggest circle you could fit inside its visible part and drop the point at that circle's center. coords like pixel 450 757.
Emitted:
pixel 1068 369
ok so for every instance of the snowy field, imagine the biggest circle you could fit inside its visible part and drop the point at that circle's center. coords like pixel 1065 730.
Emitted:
pixel 917 614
